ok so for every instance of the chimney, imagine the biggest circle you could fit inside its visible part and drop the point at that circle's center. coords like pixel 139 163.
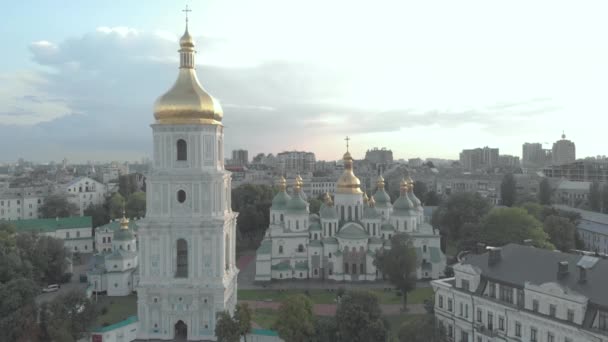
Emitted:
pixel 562 269
pixel 480 248
pixel 494 255
pixel 582 275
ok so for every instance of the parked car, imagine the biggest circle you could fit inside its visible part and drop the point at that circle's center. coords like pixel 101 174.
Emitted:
pixel 51 288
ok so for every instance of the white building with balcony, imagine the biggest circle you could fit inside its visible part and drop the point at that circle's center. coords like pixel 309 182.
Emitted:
pixel 85 191
pixel 521 293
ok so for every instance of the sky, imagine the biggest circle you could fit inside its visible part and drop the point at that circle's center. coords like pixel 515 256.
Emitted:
pixel 78 79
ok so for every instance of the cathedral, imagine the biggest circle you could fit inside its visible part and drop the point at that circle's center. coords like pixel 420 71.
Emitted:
pixel 341 241
pixel 187 270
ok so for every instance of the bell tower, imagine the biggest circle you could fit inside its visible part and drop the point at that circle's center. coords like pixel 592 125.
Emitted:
pixel 187 240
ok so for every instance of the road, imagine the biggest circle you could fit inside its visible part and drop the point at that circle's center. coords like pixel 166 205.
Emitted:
pixel 73 285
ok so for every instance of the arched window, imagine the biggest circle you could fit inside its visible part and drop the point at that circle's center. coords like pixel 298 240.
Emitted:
pixel 280 249
pixel 356 213
pixel 128 247
pixel 227 250
pixel 315 236
pixel 316 271
pixel 354 268
pixel 330 255
pixel 361 269
pixel 300 248
pixel 181 196
pixel 103 240
pixel 182 150
pixel 272 218
pixel 281 217
pixel 342 212
pixel 182 259
pixel 345 268
pixel 297 224
pixel 350 213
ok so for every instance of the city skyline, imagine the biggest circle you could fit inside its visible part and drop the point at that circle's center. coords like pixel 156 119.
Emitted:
pixel 85 90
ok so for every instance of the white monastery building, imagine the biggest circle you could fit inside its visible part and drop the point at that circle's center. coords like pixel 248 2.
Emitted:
pixel 187 269
pixel 521 293
pixel 340 243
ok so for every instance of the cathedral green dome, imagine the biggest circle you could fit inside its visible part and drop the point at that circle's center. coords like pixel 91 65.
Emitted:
pixel 280 200
pixel 123 235
pixel 297 204
pixel 328 212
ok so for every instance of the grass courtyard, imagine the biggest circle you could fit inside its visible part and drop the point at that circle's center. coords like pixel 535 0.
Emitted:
pixel 115 309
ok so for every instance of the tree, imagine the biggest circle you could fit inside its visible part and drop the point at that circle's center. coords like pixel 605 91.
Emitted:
pixel 57 206
pixel 69 317
pixel 136 205
pixel 460 208
pixel 508 190
pixel 432 199
pixel 399 264
pixel 512 225
pixel 562 233
pixel 17 310
pixel 99 214
pixel 544 192
pixel 295 322
pixel 46 255
pixel 314 205
pixel 242 316
pixel 326 329
pixel 359 318
pixel 535 209
pixel 420 189
pixel 226 328
pixel 127 184
pixel 252 202
pixel 422 329
pixel 116 205
pixel 595 196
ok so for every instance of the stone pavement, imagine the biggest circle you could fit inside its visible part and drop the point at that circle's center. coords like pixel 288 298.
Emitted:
pixel 330 309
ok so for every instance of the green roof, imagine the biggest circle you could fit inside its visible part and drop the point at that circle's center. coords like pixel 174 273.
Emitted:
pixel 297 204
pixel 280 200
pixel 328 212
pixel 352 231
pixel 264 332
pixel 121 254
pixel 314 227
pixel 123 235
pixel 370 213
pixel 402 205
pixel 415 201
pixel 301 265
pixel 120 324
pixel 314 243
pixel 52 224
pixel 265 247
pixel 284 266
pixel 114 226
pixel 381 197
pixel 330 241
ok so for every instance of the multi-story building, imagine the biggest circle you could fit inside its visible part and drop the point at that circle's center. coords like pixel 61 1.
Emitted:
pixel 76 232
pixel 414 162
pixel 319 185
pixel 509 161
pixel 104 235
pixel 522 293
pixel 574 194
pixel 592 229
pixel 564 151
pixel 533 155
pixel 588 170
pixel 476 158
pixel 21 203
pixel 296 161
pixel 240 157
pixel 85 191
pixel 379 156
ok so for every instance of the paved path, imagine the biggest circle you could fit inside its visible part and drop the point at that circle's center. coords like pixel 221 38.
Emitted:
pixel 330 309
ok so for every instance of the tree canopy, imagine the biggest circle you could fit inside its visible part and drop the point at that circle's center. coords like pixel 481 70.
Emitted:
pixel 544 192
pixel 562 233
pixel 459 209
pixel 243 316
pixel 136 205
pixel 57 205
pixel 359 318
pixel 295 320
pixel 512 225
pixel 399 264
pixel 420 190
pixel 252 202
pixel 226 328
pixel 422 329
pixel 116 205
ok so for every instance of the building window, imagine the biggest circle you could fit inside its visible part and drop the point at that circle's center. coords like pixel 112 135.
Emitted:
pixel 330 255
pixel 182 259
pixel 424 249
pixel 300 248
pixel 280 249
pixel 181 196
pixel 533 333
pixel 345 268
pixel 67 235
pixel 450 330
pixel 466 311
pixel 501 323
pixel 103 240
pixel 479 315
pixel 331 271
pixel 506 294
pixel 354 268
pixel 520 298
pixel 603 321
pixel 552 310
pixel 441 301
pixel 490 321
pixel 182 150
pixel 517 329
pixel 550 337
pixel 464 336
pixel 535 305
pixel 571 315
pixel 460 309
pixel 492 289
pixel 316 271
pixel 77 234
pixel 450 304
pixel 464 284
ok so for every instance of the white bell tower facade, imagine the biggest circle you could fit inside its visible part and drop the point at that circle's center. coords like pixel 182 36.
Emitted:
pixel 187 240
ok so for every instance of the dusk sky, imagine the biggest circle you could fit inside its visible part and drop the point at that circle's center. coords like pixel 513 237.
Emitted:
pixel 78 79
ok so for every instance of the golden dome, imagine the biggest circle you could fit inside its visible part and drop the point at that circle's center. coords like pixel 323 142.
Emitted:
pixel 404 185
pixel 124 222
pixel 187 102
pixel 298 183
pixel 409 180
pixel 372 202
pixel 282 183
pixel 348 183
pixel 380 182
pixel 327 199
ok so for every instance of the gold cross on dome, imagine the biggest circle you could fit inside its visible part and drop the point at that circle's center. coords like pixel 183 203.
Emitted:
pixel 186 10
pixel 347 140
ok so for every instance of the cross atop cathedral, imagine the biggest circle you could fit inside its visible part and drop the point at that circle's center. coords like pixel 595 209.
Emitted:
pixel 347 140
pixel 186 10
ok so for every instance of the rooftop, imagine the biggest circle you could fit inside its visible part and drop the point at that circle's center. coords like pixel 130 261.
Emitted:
pixel 52 224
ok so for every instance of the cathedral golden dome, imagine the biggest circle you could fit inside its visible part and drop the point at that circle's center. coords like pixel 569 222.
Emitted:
pixel 187 102
pixel 348 183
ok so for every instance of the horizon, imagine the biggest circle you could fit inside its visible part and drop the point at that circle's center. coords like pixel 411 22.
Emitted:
pixel 424 88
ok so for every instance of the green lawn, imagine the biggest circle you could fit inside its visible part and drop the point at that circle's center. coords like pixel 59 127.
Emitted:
pixel 326 297
pixel 395 322
pixel 265 317
pixel 116 309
